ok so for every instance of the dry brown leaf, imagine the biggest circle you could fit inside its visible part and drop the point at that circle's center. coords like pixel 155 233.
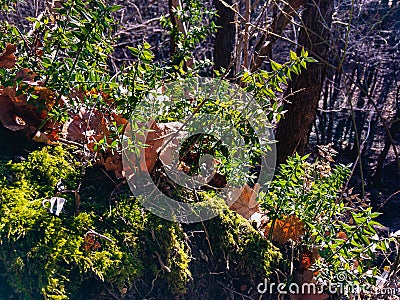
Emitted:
pixel 245 203
pixel 8 117
pixel 307 258
pixel 7 58
pixel 148 156
pixel 119 120
pixel 113 163
pixel 218 181
pixel 341 235
pixel 88 128
pixel 290 228
pixel 40 137
pixel 31 114
pixel 11 92
pixel 28 77
pixel 306 279
pixel 173 135
pixel 46 97
pixel 154 140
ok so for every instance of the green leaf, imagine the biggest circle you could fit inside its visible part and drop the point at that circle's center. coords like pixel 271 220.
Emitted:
pixel 310 60
pixel 293 55
pixel 375 215
pixel 115 8
pixel 275 66
pixel 134 51
pixel 354 243
pixel 147 56
pixel 358 219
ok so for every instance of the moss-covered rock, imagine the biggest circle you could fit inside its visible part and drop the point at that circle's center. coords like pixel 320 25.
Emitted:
pixel 140 255
pixel 44 254
pixel 249 253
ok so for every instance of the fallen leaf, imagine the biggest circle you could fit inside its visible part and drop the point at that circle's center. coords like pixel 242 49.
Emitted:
pixel 35 113
pixel 7 58
pixel 7 115
pixel 85 126
pixel 114 163
pixel 40 137
pixel 46 98
pixel 11 92
pixel 341 235
pixel 243 201
pixel 218 181
pixel 307 258
pixel 28 77
pixel 173 135
pixel 89 127
pixel 290 228
pixel 38 48
pixel 90 242
pixel 154 141
pixel 147 157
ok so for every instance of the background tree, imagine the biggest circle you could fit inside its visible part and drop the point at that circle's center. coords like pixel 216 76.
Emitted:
pixel 304 91
pixel 225 37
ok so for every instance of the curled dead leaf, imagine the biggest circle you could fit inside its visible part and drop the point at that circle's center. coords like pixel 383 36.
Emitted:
pixel 147 157
pixel 114 163
pixel 173 135
pixel 307 258
pixel 8 117
pixel 308 288
pixel 342 235
pixel 7 58
pixel 11 92
pixel 46 97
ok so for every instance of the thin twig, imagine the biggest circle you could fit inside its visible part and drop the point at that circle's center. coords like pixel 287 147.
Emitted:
pixel 91 231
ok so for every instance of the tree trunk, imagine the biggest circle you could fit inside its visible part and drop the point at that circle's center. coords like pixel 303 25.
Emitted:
pixel 225 38
pixel 293 131
pixel 172 4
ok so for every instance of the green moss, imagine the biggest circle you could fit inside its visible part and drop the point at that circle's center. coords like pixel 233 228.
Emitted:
pixel 249 253
pixel 43 256
pixel 167 240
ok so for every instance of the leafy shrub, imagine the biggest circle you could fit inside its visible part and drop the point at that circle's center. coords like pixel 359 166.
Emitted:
pixel 199 24
pixel 344 237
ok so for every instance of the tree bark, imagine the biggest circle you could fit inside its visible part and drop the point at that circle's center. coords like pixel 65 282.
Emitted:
pixel 225 38
pixel 172 4
pixel 294 129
